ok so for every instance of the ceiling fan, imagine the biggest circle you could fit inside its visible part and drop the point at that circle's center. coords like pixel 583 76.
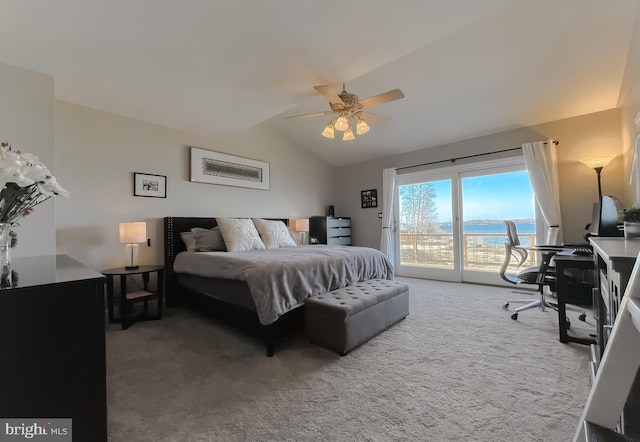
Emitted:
pixel 348 110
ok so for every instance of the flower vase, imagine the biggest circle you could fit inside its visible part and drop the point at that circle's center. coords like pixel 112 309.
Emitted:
pixel 5 255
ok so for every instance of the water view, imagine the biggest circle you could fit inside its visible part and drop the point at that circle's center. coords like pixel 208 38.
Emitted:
pixel 525 227
pixel 427 211
pixel 483 244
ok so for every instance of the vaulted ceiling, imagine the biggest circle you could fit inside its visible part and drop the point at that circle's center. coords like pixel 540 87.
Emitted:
pixel 467 68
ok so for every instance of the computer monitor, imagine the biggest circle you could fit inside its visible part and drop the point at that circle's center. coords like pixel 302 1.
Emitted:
pixel 605 218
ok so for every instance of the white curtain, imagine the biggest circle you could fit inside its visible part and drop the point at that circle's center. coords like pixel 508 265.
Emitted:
pixel 542 164
pixel 388 190
pixel 634 176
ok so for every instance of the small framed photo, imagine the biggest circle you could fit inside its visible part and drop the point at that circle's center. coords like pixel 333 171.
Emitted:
pixel 369 198
pixel 146 184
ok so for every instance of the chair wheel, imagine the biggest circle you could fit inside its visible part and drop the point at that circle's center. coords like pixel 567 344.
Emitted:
pixel 514 316
pixel 583 317
pixel 506 306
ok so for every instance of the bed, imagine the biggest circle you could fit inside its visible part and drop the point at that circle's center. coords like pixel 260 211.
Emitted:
pixel 259 291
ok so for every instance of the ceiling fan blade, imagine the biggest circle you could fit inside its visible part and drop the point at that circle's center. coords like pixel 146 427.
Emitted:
pixel 372 115
pixel 374 118
pixel 329 94
pixel 385 97
pixel 314 114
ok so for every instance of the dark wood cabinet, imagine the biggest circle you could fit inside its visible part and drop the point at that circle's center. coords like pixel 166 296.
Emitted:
pixel 330 230
pixel 52 345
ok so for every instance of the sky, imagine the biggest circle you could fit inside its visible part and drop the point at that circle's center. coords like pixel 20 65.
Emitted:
pixel 501 196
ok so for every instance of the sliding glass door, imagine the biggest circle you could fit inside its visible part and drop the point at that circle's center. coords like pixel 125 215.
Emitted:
pixel 427 240
pixel 450 222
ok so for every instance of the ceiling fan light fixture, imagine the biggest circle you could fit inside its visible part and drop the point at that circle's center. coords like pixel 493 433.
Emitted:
pixel 348 135
pixel 347 110
pixel 341 123
pixel 362 127
pixel 328 131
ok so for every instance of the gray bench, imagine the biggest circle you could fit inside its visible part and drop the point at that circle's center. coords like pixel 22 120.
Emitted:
pixel 342 319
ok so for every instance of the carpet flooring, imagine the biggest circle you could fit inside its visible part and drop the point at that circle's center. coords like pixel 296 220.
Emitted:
pixel 456 369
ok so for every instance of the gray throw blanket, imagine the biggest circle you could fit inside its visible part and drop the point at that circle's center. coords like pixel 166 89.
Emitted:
pixel 281 279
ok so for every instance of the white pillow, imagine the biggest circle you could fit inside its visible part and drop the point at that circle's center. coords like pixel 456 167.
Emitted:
pixel 274 234
pixel 239 234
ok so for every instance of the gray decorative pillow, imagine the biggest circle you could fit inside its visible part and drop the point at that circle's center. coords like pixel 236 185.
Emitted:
pixel 208 240
pixel 240 234
pixel 189 241
pixel 274 234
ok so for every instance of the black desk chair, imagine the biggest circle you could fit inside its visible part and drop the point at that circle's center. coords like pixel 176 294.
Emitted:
pixel 543 277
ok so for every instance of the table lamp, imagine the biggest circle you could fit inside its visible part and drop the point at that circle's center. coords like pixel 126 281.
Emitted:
pixel 302 226
pixel 131 234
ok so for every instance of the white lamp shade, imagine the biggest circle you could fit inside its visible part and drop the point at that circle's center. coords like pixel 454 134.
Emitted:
pixel 133 232
pixel 328 131
pixel 348 135
pixel 599 161
pixel 301 225
pixel 341 123
pixel 362 127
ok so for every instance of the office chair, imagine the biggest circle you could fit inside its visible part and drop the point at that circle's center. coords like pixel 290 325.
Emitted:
pixel 543 277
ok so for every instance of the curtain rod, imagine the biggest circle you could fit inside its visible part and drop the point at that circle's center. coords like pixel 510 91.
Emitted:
pixel 453 160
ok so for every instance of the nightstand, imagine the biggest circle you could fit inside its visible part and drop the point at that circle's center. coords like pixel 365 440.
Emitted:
pixel 129 299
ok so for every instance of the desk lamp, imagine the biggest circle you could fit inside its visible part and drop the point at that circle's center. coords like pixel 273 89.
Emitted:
pixel 598 163
pixel 131 234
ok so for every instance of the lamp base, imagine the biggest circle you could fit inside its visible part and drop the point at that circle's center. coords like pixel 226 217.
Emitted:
pixel 131 267
pixel 132 256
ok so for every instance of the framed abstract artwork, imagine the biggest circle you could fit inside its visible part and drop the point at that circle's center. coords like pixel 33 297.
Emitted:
pixel 146 184
pixel 228 170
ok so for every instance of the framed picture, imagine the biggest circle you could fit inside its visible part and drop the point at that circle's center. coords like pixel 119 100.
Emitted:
pixel 228 170
pixel 145 184
pixel 369 198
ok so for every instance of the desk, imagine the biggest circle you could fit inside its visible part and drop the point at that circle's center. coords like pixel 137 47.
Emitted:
pixel 565 261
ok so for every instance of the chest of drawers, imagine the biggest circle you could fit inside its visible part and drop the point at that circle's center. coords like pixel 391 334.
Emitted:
pixel 330 230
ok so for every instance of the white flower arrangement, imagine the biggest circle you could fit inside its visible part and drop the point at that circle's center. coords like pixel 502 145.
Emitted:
pixel 25 182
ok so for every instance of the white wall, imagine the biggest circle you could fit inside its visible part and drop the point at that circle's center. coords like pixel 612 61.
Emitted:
pixel 629 103
pixel 97 154
pixel 579 137
pixel 26 122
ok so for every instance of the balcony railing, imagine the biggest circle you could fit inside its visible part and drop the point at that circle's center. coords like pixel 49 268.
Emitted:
pixel 481 251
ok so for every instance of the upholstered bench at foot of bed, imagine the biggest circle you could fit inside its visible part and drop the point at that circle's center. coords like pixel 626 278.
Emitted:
pixel 342 319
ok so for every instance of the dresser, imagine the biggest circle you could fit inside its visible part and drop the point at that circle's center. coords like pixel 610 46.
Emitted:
pixel 52 345
pixel 614 262
pixel 330 230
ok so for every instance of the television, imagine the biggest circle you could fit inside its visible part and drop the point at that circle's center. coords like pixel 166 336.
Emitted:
pixel 604 220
